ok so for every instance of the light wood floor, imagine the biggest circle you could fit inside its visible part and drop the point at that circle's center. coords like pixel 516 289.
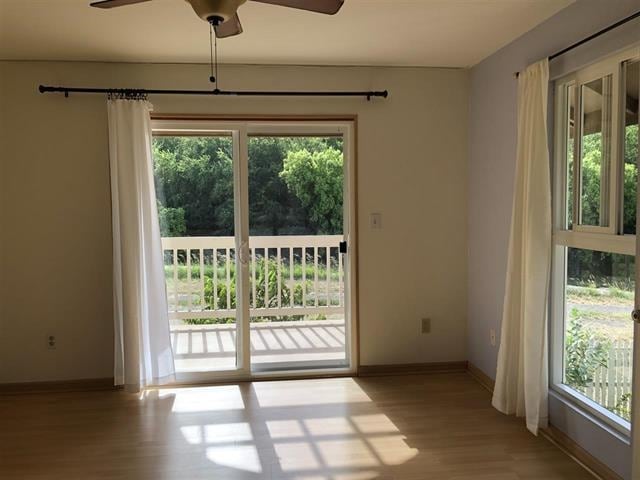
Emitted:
pixel 407 427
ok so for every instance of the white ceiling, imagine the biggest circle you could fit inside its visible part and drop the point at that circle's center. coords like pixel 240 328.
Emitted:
pixel 446 33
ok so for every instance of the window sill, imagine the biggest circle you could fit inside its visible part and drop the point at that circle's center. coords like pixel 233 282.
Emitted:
pixel 599 415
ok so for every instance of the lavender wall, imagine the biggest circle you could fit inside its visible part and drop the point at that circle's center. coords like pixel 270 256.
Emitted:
pixel 492 147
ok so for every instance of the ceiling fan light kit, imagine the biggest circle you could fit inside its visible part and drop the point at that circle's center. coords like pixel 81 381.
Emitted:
pixel 215 12
pixel 222 16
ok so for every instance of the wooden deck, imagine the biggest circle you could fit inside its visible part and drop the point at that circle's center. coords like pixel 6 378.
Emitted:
pixel 212 347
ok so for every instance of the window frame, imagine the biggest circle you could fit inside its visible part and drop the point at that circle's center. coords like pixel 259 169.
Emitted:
pixel 609 239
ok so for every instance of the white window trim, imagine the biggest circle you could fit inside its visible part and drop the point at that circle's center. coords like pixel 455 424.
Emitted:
pixel 607 239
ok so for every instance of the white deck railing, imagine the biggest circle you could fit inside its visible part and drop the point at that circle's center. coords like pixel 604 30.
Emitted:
pixel 289 276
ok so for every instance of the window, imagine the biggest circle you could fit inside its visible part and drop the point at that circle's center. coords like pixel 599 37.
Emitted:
pixel 593 284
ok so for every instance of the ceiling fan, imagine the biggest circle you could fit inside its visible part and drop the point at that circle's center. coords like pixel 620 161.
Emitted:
pixel 223 14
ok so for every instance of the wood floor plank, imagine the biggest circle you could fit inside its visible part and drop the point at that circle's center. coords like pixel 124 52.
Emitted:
pixel 388 428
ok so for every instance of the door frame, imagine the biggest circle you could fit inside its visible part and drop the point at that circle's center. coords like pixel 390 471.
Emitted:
pixel 241 127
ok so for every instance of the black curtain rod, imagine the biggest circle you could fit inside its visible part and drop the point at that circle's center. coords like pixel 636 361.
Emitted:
pixel 591 37
pixel 215 92
pixel 595 35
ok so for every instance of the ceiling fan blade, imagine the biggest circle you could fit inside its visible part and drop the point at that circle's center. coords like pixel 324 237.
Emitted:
pixel 115 3
pixel 229 28
pixel 329 7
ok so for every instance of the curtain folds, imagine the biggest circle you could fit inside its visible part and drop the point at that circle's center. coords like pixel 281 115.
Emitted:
pixel 522 375
pixel 143 352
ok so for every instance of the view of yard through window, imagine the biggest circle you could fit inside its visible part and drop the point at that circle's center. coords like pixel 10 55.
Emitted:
pixel 599 334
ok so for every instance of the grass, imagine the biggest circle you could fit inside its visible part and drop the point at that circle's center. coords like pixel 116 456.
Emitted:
pixel 605 310
pixel 611 295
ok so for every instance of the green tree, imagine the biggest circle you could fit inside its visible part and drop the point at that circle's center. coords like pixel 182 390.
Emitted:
pixel 630 178
pixel 172 222
pixel 272 208
pixel 195 174
pixel 591 173
pixel 194 185
pixel 316 179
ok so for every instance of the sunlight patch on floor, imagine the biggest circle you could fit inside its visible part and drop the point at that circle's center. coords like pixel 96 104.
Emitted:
pixel 298 429
pixel 296 393
pixel 239 457
pixel 204 399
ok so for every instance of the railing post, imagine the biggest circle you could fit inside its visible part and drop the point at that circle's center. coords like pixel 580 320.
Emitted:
pixel 201 295
pixel 279 275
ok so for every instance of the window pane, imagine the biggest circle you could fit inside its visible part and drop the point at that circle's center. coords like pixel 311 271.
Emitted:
pixel 297 289
pixel 632 86
pixel 194 189
pixel 598 346
pixel 595 145
pixel 571 122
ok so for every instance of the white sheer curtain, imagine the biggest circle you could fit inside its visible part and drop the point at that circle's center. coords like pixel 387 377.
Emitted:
pixel 522 377
pixel 143 353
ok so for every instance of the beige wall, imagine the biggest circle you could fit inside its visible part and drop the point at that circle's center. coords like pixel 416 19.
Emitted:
pixel 55 205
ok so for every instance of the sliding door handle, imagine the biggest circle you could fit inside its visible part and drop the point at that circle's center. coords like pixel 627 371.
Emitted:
pixel 343 247
pixel 635 315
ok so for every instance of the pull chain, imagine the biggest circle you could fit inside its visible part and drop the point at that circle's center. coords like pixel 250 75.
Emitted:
pixel 216 58
pixel 213 55
pixel 212 77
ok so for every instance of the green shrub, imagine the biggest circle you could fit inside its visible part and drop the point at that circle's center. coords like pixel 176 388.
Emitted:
pixel 585 351
pixel 262 287
pixel 623 406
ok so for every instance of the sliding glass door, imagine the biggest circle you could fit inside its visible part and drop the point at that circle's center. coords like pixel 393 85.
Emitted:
pixel 256 224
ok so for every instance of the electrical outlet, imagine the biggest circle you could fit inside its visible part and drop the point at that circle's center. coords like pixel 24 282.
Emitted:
pixel 426 325
pixel 492 337
pixel 375 220
pixel 51 342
